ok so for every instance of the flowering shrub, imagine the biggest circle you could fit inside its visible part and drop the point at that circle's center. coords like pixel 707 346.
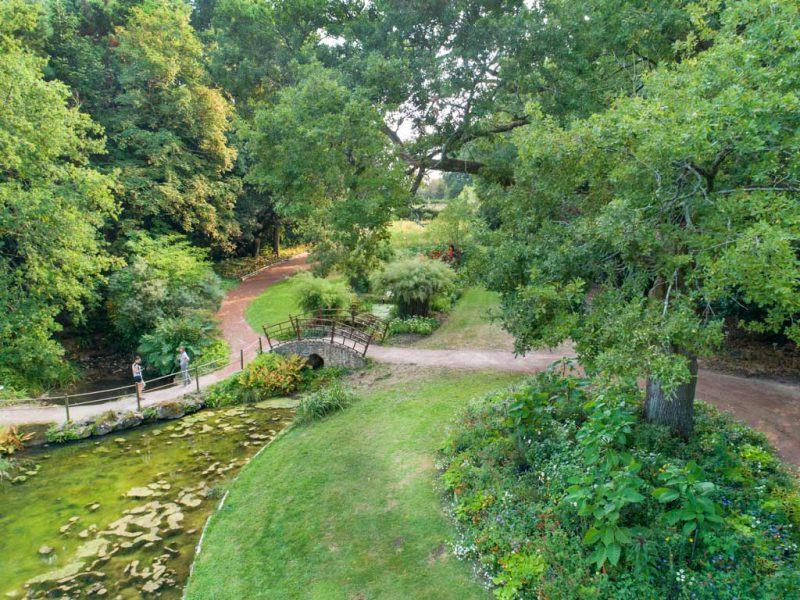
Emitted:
pixel 560 490
pixel 418 325
pixel 269 376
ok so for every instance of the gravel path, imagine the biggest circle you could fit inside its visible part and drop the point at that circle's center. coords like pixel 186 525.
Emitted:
pixel 768 406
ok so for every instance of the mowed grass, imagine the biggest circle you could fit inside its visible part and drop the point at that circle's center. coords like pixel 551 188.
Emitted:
pixel 347 507
pixel 274 305
pixel 469 325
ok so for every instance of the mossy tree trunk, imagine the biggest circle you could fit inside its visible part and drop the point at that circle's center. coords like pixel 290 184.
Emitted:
pixel 674 410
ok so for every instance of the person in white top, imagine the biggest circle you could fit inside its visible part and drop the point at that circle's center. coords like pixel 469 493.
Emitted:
pixel 183 359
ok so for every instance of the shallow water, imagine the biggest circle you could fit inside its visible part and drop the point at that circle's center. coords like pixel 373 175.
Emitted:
pixel 124 513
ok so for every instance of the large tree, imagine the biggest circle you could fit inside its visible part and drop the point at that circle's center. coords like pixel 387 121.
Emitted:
pixel 454 76
pixel 319 151
pixel 139 68
pixel 52 205
pixel 169 131
pixel 627 228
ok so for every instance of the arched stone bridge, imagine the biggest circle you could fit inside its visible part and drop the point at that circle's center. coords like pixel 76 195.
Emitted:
pixel 327 339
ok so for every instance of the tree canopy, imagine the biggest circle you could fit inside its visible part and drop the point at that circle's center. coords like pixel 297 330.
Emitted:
pixel 633 166
pixel 627 229
pixel 53 204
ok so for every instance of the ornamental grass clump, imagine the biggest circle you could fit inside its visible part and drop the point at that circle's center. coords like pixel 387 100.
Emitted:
pixel 561 490
pixel 413 284
pixel 323 402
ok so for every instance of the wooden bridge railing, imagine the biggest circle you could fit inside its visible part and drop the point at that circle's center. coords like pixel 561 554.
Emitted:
pixel 348 329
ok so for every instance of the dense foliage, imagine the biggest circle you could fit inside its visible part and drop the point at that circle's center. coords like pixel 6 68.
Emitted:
pixel 560 490
pixel 319 295
pixel 195 330
pixel 166 278
pixel 416 325
pixel 412 284
pixel 53 204
pixel 626 230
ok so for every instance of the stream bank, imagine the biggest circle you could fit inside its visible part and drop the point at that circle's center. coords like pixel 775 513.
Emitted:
pixel 120 516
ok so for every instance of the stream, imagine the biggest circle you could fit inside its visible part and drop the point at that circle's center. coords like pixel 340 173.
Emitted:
pixel 120 516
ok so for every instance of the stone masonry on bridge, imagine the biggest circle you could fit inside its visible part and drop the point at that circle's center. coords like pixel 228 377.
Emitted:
pixel 332 355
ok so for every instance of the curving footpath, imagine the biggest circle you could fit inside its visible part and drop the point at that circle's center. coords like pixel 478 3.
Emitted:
pixel 235 329
pixel 769 406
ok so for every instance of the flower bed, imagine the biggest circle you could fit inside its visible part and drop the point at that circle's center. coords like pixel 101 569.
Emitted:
pixel 560 490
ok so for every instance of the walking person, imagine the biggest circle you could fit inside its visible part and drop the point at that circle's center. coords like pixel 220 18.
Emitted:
pixel 183 359
pixel 138 376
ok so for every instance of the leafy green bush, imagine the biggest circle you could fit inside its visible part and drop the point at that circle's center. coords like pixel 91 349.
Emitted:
pixel 317 294
pixel 165 278
pixel 267 376
pixel 564 474
pixel 58 435
pixel 418 325
pixel 319 404
pixel 413 283
pixel 196 330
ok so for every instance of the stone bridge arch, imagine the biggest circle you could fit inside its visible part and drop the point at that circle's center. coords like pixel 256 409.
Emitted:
pixel 327 338
pixel 332 354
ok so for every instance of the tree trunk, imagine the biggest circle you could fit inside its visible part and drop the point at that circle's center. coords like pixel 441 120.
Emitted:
pixel 276 239
pixel 257 247
pixel 675 410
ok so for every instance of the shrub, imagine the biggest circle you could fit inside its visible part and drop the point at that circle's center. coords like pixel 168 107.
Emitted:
pixel 11 440
pixel 267 376
pixel 323 402
pixel 165 277
pixel 317 294
pixel 196 330
pixel 413 283
pixel 563 473
pixel 418 325
pixel 213 356
pixel 271 375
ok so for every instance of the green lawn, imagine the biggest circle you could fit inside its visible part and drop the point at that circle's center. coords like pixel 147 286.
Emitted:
pixel 408 234
pixel 469 325
pixel 346 508
pixel 274 305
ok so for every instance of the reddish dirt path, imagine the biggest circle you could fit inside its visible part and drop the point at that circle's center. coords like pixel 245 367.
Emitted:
pixel 770 407
pixel 235 328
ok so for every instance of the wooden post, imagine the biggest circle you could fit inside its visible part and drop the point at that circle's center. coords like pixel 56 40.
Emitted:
pixel 138 399
pixel 260 346
pixel 197 378
pixel 241 358
pixel 66 406
pixel 266 333
pixel 296 323
pixel 333 329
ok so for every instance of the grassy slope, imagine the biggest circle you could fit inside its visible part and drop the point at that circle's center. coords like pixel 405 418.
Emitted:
pixel 274 305
pixel 469 326
pixel 347 507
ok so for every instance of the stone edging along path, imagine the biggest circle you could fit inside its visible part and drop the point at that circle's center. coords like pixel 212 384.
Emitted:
pixel 768 406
